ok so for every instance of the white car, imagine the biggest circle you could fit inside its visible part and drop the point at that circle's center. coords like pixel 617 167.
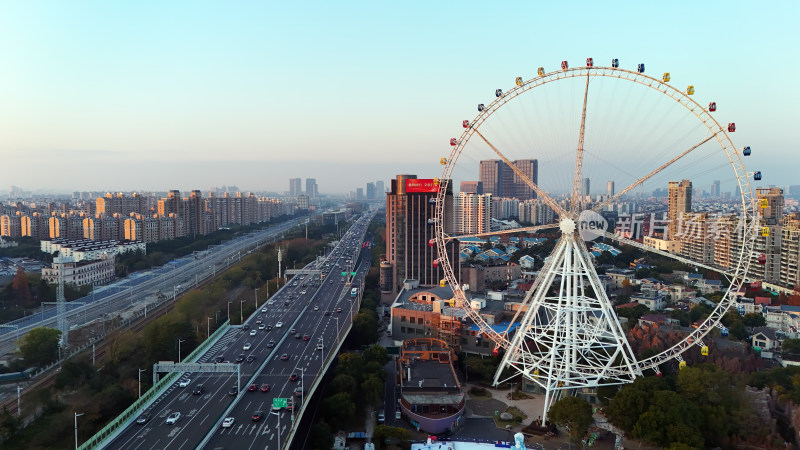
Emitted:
pixel 173 418
pixel 228 422
pixel 279 324
pixel 253 332
pixel 263 310
pixel 184 383
pixel 246 347
pixel 262 327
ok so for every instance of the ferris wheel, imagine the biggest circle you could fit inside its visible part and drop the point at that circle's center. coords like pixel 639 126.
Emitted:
pixel 581 124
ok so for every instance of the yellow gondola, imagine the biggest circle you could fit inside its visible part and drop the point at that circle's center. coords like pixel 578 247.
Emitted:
pixel 443 161
pixel 519 81
pixel 765 231
pixel 540 71
pixel 665 77
pixel 690 90
pixel 704 350
pixel 442 283
pixel 682 365
pixel 536 373
pixel 764 203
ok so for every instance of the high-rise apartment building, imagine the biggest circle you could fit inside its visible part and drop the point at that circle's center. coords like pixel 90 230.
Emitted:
pixel 311 188
pixel 715 192
pixel 370 191
pixel 294 187
pixel 410 226
pixel 585 187
pixel 471 187
pixel 500 180
pixel 679 203
pixel 380 188
pixel 610 188
pixel 472 213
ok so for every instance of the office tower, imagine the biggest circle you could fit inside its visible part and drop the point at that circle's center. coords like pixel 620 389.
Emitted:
pixel 471 187
pixel 410 214
pixel 500 180
pixel 359 194
pixel 472 213
pixel 311 188
pixel 294 187
pixel 585 188
pixel 679 202
pixel 370 191
pixel 380 189
pixel 715 193
pixel 610 188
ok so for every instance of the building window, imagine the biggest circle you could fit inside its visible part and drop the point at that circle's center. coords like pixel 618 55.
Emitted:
pixel 402 329
pixel 419 320
pixel 402 318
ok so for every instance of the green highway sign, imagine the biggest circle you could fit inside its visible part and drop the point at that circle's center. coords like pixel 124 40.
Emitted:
pixel 352 274
pixel 280 402
pixel 344 274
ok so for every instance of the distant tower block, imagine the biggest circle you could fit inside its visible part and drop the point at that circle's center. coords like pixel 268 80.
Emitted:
pixel 610 188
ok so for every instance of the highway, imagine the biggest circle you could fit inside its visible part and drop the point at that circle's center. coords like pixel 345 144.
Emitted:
pixel 139 291
pixel 317 311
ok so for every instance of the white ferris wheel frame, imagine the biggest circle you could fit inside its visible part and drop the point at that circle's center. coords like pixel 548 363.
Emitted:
pixel 747 219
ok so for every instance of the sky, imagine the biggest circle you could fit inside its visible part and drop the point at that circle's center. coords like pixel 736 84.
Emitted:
pixel 153 95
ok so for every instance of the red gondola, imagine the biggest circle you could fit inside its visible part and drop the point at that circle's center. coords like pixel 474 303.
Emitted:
pixel 712 106
pixel 465 124
pixel 762 259
pixel 731 127
pixel 495 352
pixel 435 263
pixel 754 285
pixel 431 242
pixel 589 62
pixel 453 141
pixel 564 65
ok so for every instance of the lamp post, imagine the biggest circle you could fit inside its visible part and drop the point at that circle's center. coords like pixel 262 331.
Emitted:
pixel 511 391
pixel 179 349
pixel 255 298
pixel 337 329
pixel 241 311
pixel 229 311
pixel 140 381
pixel 77 414
pixel 322 343
pixel 208 323
pixel 278 427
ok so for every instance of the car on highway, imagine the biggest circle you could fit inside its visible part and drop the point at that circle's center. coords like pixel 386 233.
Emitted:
pixel 173 418
pixel 316 308
pixel 319 347
pixel 292 331
pixel 219 359
pixel 199 389
pixel 228 422
pixel 284 357
pixel 265 387
pixel 143 419
pixel 271 344
pixel 279 324
pixel 247 346
pixel 327 313
pixel 253 332
pixel 250 358
pixel 240 358
pixel 293 377
pixel 262 327
pixel 338 310
pixel 259 322
pixel 298 336
pixel 233 391
pixel 252 388
pixel 245 327
pixel 263 310
pixel 285 303
pixel 184 383
pixel 306 337
pixel 257 416
pixel 298 391
pixel 381 417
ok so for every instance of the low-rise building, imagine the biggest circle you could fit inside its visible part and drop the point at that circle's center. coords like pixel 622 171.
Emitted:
pixel 81 273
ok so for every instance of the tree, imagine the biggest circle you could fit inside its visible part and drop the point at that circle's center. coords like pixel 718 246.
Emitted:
pixel 344 383
pixel 21 289
pixel 40 346
pixel 670 419
pixel 321 436
pixel 384 433
pixel 632 401
pixel 378 354
pixel 571 412
pixel 372 390
pixel 339 409
pixel 754 320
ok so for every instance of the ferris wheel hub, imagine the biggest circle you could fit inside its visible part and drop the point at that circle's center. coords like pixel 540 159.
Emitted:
pixel 567 226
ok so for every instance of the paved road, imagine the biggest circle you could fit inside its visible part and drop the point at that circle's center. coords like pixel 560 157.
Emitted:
pixel 300 305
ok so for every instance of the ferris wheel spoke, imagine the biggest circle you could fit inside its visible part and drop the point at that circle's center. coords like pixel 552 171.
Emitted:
pixel 611 200
pixel 541 193
pixel 501 232
pixel 647 248
pixel 579 155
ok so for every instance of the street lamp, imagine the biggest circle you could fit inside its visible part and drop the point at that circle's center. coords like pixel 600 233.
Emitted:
pixel 241 311
pixel 337 329
pixel 229 311
pixel 140 381
pixel 77 414
pixel 278 427
pixel 179 349
pixel 208 335
pixel 255 298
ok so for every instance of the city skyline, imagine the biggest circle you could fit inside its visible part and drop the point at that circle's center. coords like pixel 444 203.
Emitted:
pixel 116 97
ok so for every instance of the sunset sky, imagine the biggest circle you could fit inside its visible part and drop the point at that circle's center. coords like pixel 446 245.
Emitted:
pixel 153 95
